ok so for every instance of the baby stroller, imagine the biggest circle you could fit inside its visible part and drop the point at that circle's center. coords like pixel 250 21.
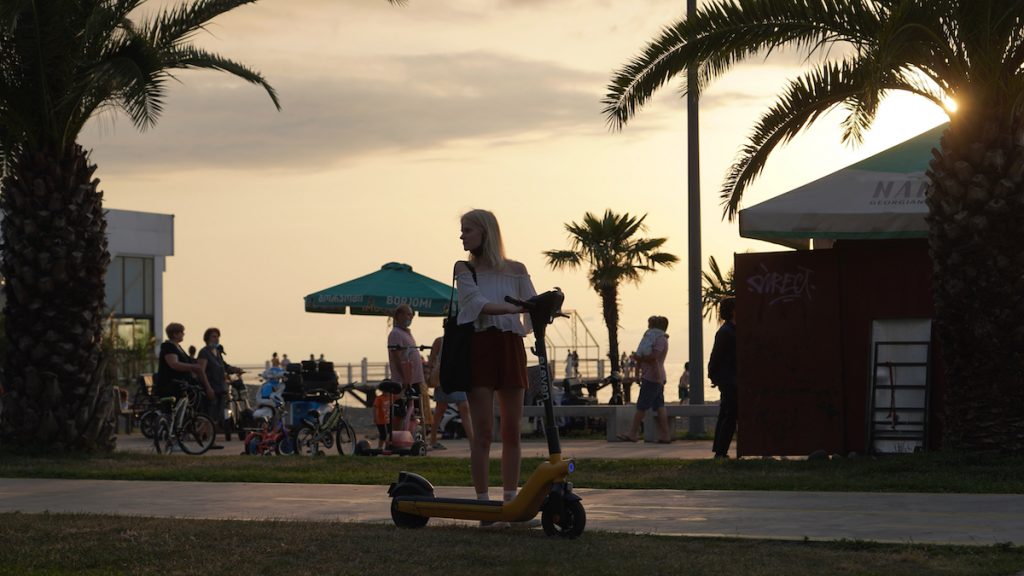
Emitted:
pixel 404 439
pixel 450 426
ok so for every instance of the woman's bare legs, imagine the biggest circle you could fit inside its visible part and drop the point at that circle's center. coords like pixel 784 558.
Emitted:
pixel 481 407
pixel 439 409
pixel 511 406
pixel 467 420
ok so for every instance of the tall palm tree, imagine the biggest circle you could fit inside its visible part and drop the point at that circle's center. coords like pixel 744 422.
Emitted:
pixel 717 287
pixel 62 61
pixel 611 248
pixel 967 51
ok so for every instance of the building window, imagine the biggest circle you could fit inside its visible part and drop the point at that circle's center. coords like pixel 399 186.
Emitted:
pixel 130 283
pixel 128 331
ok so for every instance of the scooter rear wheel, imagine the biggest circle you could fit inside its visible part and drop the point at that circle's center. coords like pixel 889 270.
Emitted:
pixel 568 523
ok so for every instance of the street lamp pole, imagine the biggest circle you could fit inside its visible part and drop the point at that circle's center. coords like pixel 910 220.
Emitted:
pixel 694 245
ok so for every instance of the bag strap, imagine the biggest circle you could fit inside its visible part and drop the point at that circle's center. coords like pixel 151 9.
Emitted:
pixel 451 299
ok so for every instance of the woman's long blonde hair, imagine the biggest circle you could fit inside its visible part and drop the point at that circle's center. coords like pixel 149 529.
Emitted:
pixel 492 248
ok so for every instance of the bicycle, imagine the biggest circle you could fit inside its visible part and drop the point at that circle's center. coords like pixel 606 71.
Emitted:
pixel 146 407
pixel 271 438
pixel 332 430
pixel 194 433
pixel 239 409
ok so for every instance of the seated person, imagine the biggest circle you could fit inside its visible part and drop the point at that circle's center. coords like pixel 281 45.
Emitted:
pixel 270 399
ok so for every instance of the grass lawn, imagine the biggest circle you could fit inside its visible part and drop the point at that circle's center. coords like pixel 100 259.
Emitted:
pixel 36 545
pixel 934 472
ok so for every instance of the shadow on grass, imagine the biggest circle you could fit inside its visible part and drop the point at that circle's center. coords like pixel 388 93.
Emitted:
pixel 933 472
pixel 85 544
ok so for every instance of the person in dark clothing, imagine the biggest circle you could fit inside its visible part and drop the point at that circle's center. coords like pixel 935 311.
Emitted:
pixel 176 368
pixel 722 372
pixel 211 360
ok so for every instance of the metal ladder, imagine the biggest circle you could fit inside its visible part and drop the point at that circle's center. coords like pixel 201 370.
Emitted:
pixel 899 397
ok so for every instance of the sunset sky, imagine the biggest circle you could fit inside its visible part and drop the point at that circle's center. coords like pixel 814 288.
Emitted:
pixel 396 120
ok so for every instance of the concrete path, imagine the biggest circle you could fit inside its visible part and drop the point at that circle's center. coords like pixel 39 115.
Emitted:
pixel 918 518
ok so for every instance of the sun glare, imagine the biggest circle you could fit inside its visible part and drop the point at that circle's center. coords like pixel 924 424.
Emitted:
pixel 950 105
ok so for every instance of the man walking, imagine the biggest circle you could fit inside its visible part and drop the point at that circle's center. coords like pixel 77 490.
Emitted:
pixel 722 371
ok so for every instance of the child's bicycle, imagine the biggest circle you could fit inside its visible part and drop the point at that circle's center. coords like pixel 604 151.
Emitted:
pixel 271 438
pixel 194 433
pixel 330 430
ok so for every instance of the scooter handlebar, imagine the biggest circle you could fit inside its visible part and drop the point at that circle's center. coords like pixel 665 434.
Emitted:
pixel 543 308
pixel 522 304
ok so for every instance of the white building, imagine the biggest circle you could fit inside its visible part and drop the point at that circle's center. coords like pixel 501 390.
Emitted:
pixel 139 244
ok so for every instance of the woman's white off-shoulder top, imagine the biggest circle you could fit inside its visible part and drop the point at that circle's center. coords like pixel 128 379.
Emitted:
pixel 493 286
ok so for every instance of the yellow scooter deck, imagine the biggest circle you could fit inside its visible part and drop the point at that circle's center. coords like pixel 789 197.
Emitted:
pixel 524 507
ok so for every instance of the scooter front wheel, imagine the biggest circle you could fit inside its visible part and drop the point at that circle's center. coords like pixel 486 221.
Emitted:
pixel 567 523
pixel 403 519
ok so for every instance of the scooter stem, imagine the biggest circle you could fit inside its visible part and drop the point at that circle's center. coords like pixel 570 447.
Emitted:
pixel 543 309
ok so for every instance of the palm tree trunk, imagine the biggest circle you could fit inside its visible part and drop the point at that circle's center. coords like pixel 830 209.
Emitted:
pixel 54 262
pixel 976 209
pixel 610 307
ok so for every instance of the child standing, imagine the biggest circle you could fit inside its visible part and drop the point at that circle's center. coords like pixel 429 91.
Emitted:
pixel 382 418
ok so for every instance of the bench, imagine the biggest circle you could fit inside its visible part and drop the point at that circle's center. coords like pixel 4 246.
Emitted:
pixel 620 418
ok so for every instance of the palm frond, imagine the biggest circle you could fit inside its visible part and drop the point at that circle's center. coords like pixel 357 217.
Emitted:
pixel 715 288
pixel 722 33
pixel 805 100
pixel 664 259
pixel 563 259
pixel 190 57
pixel 937 49
pixel 180 23
pixel 64 60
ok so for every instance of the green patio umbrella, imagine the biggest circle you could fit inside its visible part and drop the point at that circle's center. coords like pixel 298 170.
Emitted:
pixel 378 293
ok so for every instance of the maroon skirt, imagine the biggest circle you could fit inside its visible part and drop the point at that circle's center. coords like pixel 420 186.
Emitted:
pixel 499 360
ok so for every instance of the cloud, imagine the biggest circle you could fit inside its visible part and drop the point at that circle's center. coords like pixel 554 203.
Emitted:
pixel 388 104
pixel 403 103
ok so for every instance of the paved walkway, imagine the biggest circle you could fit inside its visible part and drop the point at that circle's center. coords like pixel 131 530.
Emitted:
pixel 918 518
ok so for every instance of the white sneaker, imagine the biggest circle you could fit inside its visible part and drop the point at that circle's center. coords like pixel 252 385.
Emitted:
pixel 527 524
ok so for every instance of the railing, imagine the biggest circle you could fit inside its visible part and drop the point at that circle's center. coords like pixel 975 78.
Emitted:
pixel 363 372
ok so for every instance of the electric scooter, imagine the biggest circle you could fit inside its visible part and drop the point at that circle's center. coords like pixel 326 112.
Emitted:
pixel 404 440
pixel 546 491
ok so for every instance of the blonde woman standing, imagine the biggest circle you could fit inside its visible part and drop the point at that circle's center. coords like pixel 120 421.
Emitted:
pixel 499 356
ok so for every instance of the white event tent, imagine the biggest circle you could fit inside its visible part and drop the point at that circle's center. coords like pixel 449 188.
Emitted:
pixel 881 197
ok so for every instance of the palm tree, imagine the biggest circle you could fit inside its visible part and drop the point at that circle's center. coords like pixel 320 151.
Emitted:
pixel 62 61
pixel 970 52
pixel 716 288
pixel 609 246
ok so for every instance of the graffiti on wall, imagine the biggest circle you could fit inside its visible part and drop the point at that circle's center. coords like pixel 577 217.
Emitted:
pixel 781 287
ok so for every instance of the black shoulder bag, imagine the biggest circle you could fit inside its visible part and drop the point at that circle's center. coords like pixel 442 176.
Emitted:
pixel 456 373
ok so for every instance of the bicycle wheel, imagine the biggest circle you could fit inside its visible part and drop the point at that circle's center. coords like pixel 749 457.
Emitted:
pixel 285 445
pixel 305 441
pixel 197 434
pixel 162 442
pixel 148 422
pixel 344 439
